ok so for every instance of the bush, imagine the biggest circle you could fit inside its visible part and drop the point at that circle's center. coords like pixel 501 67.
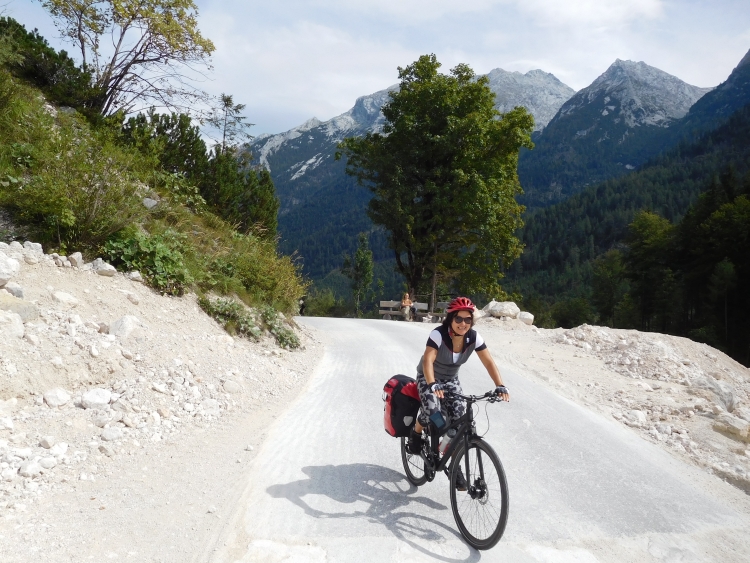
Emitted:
pixel 233 316
pixel 284 336
pixel 72 184
pixel 159 258
pixel 324 303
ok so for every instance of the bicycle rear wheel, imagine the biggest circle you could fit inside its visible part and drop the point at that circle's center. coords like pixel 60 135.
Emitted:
pixel 481 512
pixel 413 465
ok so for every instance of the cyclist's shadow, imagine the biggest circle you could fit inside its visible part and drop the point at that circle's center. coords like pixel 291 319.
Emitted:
pixel 384 490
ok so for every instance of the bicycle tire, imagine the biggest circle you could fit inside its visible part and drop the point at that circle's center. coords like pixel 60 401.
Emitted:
pixel 480 520
pixel 413 465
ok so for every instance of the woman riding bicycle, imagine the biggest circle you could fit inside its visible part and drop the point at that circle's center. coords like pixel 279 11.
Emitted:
pixel 449 347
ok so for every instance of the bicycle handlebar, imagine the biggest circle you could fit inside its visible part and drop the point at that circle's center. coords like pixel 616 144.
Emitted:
pixel 489 396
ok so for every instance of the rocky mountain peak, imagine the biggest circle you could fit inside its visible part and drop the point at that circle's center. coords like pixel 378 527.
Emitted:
pixel 745 60
pixel 541 93
pixel 637 93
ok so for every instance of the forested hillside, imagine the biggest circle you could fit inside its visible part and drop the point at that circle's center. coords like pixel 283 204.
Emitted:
pixel 567 264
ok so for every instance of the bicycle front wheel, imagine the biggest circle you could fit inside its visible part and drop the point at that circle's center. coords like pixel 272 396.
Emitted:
pixel 413 465
pixel 481 512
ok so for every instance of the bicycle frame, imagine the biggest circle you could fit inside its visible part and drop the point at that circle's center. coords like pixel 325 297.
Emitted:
pixel 466 430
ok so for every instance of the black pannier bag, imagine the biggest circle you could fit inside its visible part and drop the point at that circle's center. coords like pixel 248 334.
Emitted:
pixel 401 405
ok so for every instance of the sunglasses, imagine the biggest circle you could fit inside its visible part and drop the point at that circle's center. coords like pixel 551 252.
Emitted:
pixel 459 320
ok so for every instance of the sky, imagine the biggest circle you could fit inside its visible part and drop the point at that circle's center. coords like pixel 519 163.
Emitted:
pixel 290 60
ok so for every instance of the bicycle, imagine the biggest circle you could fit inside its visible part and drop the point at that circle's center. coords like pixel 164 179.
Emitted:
pixel 481 512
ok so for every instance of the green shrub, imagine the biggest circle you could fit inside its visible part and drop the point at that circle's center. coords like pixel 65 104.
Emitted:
pixel 324 303
pixel 284 336
pixel 159 258
pixel 76 186
pixel 233 316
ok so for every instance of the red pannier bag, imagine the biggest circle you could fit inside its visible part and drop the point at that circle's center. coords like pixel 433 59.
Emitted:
pixel 401 405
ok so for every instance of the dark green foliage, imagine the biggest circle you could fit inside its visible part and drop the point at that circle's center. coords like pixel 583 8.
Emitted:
pixel 443 175
pixel 359 270
pixel 240 194
pixel 608 285
pixel 54 73
pixel 562 240
pixel 173 140
pixel 573 312
pixel 233 316
pixel 160 258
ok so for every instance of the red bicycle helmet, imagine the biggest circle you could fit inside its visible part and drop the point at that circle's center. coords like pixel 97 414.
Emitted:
pixel 460 304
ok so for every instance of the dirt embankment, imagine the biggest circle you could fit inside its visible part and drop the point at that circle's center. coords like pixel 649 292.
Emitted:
pixel 122 410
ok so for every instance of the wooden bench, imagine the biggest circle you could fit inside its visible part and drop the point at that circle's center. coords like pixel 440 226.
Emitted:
pixel 393 308
pixel 439 314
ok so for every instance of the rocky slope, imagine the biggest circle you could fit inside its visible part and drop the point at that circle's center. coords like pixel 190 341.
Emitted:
pixel 603 131
pixel 96 368
pixel 687 397
pixel 541 93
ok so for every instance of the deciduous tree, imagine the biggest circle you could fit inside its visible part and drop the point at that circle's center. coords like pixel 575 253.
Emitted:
pixel 138 52
pixel 359 270
pixel 443 175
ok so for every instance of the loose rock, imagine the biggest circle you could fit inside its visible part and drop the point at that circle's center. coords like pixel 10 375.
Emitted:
pixel 111 434
pixel 96 399
pixel 11 325
pixel 56 397
pixel 64 299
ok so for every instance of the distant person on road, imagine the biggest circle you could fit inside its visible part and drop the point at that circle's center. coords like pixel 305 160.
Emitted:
pixel 449 347
pixel 408 310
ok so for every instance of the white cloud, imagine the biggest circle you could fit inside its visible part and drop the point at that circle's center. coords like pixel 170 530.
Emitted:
pixel 580 13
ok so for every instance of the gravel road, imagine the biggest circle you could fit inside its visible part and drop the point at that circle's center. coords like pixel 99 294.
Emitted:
pixel 328 484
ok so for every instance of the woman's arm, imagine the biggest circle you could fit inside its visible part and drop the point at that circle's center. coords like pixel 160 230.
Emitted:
pixel 428 359
pixel 491 367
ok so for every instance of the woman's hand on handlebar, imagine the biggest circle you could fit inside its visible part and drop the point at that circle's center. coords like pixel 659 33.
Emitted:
pixel 501 392
pixel 437 389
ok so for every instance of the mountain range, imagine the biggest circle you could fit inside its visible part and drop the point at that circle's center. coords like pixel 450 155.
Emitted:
pixel 627 116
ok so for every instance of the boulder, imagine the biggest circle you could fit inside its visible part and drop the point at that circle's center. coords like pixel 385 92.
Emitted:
pixel 96 399
pixel 103 269
pixel 134 276
pixel 504 309
pixel 112 434
pixel 9 268
pixel 56 397
pixel 636 417
pixel 76 260
pixel 47 442
pixel 65 299
pixel 59 449
pixel 149 203
pixel 14 289
pixel 734 427
pixel 30 469
pixel 232 387
pixel 526 318
pixel 743 413
pixel 27 311
pixel 34 247
pixel 11 325
pixel 723 390
pixel 122 328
